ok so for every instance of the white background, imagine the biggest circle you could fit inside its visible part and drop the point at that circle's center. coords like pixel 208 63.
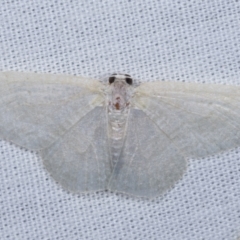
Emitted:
pixel 187 40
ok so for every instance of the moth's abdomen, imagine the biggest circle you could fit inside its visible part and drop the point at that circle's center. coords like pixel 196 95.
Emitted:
pixel 118 106
pixel 116 129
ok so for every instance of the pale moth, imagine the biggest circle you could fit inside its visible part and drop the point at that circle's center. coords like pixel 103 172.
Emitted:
pixel 117 135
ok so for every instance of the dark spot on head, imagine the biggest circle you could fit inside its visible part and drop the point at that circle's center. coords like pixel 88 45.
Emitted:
pixel 117 106
pixel 127 75
pixel 114 74
pixel 111 79
pixel 129 80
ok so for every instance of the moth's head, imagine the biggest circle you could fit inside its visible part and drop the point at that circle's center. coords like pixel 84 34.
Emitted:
pixel 120 78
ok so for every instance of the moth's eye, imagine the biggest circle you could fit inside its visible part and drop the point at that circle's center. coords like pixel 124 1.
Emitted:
pixel 129 81
pixel 111 79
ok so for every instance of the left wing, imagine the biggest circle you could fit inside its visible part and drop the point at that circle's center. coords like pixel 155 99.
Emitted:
pixel 36 109
pixel 79 160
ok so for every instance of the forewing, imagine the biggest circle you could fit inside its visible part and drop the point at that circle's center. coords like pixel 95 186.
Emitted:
pixel 149 163
pixel 35 109
pixel 79 160
pixel 199 119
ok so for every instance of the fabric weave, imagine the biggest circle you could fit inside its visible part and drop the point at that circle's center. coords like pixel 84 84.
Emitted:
pixel 188 40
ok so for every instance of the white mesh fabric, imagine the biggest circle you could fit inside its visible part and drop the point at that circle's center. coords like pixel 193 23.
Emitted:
pixel 194 41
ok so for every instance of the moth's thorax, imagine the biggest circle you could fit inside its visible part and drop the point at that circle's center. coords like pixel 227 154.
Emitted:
pixel 118 104
pixel 119 94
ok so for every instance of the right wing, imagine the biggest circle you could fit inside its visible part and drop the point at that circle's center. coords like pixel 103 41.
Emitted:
pixel 79 160
pixel 173 121
pixel 36 109
pixel 199 119
pixel 149 163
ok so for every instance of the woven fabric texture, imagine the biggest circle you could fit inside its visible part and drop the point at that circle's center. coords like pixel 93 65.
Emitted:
pixel 188 40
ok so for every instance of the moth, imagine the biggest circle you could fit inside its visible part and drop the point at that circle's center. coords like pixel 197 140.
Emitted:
pixel 117 135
